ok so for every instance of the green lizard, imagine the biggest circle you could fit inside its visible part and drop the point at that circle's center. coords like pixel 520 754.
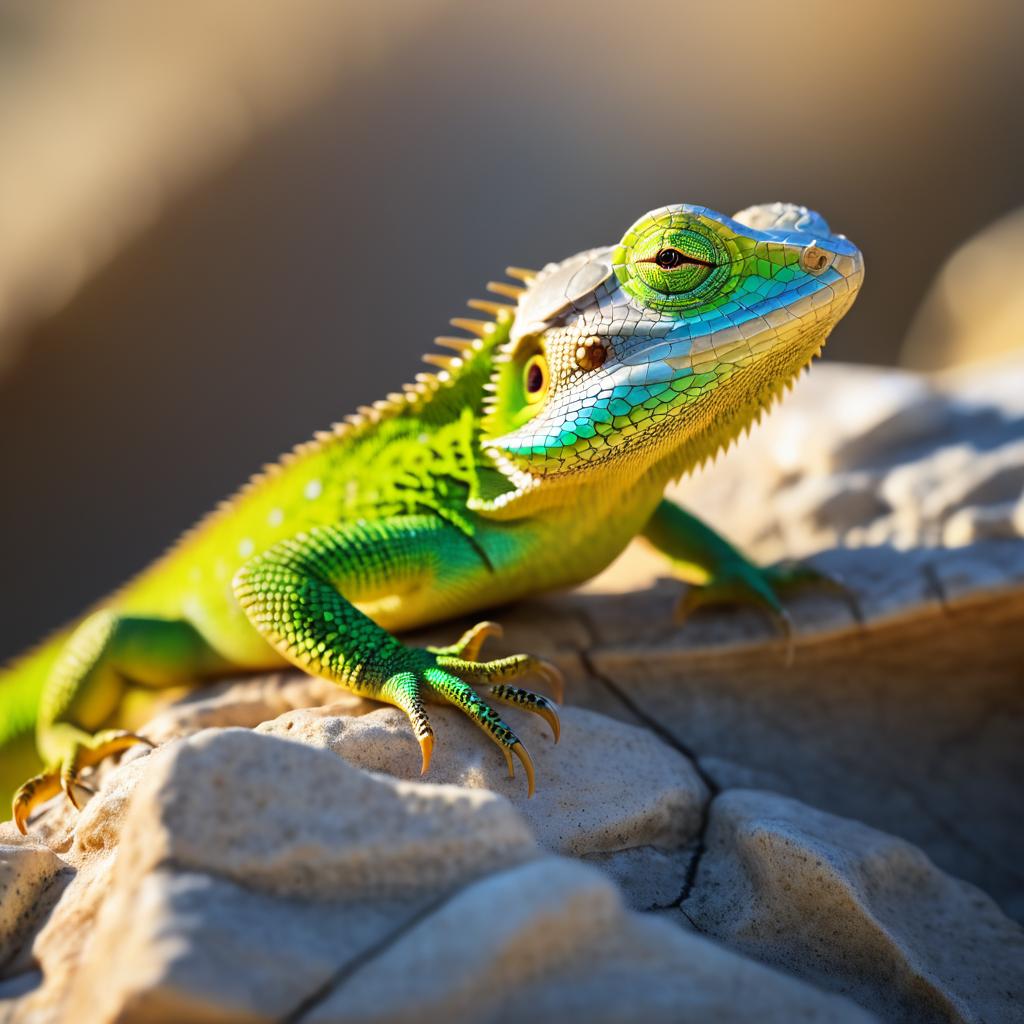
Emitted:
pixel 527 462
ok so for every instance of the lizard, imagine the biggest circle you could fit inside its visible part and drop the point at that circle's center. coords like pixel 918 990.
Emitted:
pixel 537 449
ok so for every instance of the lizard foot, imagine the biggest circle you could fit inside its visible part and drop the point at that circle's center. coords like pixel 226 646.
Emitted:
pixel 445 674
pixel 64 775
pixel 742 582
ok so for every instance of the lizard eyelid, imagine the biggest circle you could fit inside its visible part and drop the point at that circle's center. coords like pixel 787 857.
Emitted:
pixel 670 258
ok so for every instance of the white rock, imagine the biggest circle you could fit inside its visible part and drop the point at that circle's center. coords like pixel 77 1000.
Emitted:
pixel 283 818
pixel 581 805
pixel 551 942
pixel 869 456
pixel 290 835
pixel 31 877
pixel 248 702
pixel 172 946
pixel 855 911
pixel 249 876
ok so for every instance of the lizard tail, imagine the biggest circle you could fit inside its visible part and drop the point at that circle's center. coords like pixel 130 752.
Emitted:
pixel 21 685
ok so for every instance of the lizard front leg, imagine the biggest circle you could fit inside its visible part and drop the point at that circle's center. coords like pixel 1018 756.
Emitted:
pixel 106 653
pixel 299 595
pixel 718 573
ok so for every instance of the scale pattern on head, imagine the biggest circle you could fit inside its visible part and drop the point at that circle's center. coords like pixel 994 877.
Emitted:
pixel 665 346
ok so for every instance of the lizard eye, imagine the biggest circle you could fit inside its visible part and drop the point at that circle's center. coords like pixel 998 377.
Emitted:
pixel 669 259
pixel 671 262
pixel 535 379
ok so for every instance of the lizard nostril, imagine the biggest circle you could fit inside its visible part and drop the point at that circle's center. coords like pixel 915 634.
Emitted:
pixel 815 260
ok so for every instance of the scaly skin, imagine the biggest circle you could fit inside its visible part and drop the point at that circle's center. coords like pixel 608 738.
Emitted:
pixel 528 462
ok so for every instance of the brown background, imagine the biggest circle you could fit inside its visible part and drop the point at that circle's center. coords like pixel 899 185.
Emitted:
pixel 304 275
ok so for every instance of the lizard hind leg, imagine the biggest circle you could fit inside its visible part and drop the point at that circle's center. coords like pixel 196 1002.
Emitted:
pixel 83 751
pixel 84 689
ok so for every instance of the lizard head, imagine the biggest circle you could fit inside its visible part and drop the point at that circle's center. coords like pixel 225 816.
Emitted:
pixel 653 354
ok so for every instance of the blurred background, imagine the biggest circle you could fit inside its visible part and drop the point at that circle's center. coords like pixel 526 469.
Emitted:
pixel 223 225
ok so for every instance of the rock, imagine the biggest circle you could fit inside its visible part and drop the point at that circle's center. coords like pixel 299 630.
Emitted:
pixel 969 314
pixel 304 871
pixel 248 702
pixel 208 949
pixel 562 948
pixel 293 821
pixel 651 878
pixel 31 878
pixel 902 707
pixel 580 806
pixel 904 710
pixel 228 813
pixel 854 911
pixel 863 457
pixel 256 879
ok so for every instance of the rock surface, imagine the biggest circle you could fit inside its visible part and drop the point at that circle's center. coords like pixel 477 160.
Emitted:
pixel 905 712
pixel 579 807
pixel 969 314
pixel 251 878
pixel 861 457
pixel 704 843
pixel 855 911
pixel 903 706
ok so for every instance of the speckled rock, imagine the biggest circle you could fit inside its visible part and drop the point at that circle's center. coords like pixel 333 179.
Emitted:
pixel 563 948
pixel 863 456
pixel 294 821
pixel 31 878
pixel 201 825
pixel 580 806
pixel 856 911
pixel 250 878
pixel 249 701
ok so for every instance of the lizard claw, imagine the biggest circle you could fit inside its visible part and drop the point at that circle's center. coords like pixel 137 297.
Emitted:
pixel 524 755
pixel 528 701
pixel 29 796
pixel 64 777
pixel 505 668
pixel 77 792
pixel 426 742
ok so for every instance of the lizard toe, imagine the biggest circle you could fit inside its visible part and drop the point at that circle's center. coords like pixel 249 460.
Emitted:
pixel 468 645
pixel 31 794
pixel 501 669
pixel 527 700
pixel 453 690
